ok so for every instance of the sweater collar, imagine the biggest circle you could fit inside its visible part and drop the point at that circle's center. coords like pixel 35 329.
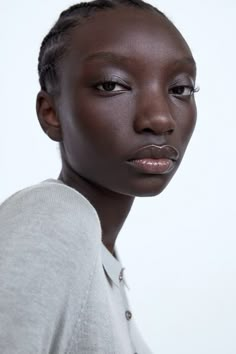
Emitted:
pixel 113 267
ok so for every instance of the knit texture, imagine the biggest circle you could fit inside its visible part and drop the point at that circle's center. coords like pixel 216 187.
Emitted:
pixel 55 296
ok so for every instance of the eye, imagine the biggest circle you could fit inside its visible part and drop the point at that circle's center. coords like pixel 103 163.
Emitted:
pixel 110 86
pixel 182 90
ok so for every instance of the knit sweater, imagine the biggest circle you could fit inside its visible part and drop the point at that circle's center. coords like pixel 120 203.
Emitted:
pixel 62 291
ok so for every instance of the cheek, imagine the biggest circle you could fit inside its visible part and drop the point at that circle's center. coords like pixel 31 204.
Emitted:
pixel 186 123
pixel 102 122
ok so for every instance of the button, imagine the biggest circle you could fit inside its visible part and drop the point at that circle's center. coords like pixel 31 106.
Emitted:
pixel 128 315
pixel 121 276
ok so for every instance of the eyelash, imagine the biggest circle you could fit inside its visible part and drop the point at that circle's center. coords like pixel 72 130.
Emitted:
pixel 191 89
pixel 101 83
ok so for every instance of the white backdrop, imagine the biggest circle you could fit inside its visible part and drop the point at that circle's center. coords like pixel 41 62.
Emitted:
pixel 178 248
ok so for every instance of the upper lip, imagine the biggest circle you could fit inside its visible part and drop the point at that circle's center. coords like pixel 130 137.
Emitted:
pixel 156 152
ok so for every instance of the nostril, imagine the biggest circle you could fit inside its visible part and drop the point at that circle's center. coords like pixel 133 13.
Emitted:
pixel 148 130
pixel 155 124
pixel 169 132
pixel 152 131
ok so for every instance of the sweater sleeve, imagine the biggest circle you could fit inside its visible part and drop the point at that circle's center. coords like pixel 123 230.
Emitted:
pixel 49 241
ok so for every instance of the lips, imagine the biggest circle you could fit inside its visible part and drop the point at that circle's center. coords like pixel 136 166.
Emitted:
pixel 154 159
pixel 156 152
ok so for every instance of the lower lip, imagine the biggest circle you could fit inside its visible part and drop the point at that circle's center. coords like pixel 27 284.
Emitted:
pixel 153 166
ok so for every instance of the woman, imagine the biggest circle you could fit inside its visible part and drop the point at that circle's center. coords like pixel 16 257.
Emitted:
pixel 117 92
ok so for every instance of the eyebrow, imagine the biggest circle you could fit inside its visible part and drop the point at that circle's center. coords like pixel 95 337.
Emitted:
pixel 109 56
pixel 186 60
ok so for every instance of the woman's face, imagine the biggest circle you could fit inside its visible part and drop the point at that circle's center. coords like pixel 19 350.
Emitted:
pixel 126 85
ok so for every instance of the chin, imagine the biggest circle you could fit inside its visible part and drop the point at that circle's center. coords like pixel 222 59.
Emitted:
pixel 150 193
pixel 149 187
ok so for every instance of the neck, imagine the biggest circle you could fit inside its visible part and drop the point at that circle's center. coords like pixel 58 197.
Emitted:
pixel 112 208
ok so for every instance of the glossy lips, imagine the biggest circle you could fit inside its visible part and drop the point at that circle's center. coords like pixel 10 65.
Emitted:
pixel 154 159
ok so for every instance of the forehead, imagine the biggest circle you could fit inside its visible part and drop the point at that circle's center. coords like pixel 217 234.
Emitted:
pixel 128 32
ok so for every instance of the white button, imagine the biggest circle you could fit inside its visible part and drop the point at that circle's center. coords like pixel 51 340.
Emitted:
pixel 121 276
pixel 128 315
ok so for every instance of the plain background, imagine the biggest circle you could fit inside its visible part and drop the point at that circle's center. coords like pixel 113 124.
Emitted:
pixel 178 248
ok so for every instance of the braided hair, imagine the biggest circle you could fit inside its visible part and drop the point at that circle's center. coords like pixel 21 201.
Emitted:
pixel 54 45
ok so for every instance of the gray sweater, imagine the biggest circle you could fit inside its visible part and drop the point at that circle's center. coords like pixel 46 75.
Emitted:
pixel 61 290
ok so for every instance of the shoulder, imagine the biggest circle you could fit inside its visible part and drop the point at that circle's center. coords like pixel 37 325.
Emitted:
pixel 50 239
pixel 50 210
pixel 48 231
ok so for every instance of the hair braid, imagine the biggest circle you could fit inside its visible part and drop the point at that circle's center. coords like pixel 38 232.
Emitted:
pixel 54 45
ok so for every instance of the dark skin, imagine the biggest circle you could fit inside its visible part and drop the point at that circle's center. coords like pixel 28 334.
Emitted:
pixel 100 125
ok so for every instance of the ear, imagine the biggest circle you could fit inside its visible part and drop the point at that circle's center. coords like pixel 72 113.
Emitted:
pixel 47 116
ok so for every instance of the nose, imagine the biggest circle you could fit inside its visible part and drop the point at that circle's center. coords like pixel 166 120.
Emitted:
pixel 154 115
